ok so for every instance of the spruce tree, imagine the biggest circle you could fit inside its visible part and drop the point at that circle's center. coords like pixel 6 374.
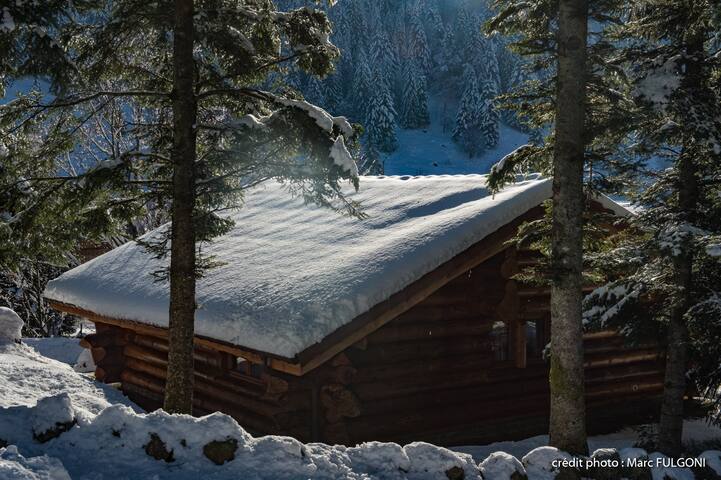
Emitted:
pixel 470 117
pixel 362 86
pixel 383 57
pixel 419 50
pixel 381 118
pixel 567 429
pixel 207 128
pixel 667 275
pixel 414 104
pixel 568 96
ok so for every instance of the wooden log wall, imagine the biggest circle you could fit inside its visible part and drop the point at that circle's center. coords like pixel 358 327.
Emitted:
pixel 266 403
pixel 431 375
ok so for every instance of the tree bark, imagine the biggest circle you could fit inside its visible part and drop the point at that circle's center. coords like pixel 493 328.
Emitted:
pixel 179 385
pixel 567 429
pixel 671 421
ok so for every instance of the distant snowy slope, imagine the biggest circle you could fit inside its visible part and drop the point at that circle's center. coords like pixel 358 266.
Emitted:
pixel 431 151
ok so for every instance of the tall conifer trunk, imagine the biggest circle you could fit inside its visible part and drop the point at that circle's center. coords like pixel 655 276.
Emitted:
pixel 179 385
pixel 671 422
pixel 567 429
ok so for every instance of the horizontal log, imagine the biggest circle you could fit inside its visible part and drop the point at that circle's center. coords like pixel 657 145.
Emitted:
pixel 530 291
pixel 373 369
pixel 149 401
pixel 428 330
pixel 209 366
pixel 421 350
pixel 108 374
pixel 200 354
pixel 111 337
pixel 466 296
pixel 633 356
pixel 616 390
pixel 201 399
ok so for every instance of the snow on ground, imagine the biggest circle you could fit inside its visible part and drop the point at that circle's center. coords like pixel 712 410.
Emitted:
pixel 431 151
pixel 26 376
pixel 110 441
pixel 14 466
pixel 63 349
pixel 695 430
pixel 10 325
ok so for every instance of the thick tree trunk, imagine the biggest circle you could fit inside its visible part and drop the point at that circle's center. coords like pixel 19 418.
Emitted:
pixel 179 385
pixel 671 422
pixel 567 429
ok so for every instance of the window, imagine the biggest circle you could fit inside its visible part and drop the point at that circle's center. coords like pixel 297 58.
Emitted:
pixel 536 338
pixel 245 367
pixel 499 341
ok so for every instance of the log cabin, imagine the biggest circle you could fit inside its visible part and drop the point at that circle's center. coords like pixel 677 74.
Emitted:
pixel 403 325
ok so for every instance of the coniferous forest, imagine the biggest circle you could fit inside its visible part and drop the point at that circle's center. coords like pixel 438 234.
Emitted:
pixel 400 59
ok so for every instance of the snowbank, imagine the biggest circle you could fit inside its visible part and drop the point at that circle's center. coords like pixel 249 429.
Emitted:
pixel 121 444
pixel 11 325
pixel 293 273
pixel 26 377
pixel 94 437
pixel 14 466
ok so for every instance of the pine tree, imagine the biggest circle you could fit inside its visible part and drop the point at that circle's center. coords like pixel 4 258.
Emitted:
pixel 384 58
pixel 562 88
pixel 668 275
pixel 490 117
pixel 202 63
pixel 315 92
pixel 489 125
pixel 567 429
pixel 469 119
pixel 362 86
pixel 414 113
pixel 381 118
pixel 419 51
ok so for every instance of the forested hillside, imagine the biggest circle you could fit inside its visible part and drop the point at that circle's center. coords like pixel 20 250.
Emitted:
pixel 421 78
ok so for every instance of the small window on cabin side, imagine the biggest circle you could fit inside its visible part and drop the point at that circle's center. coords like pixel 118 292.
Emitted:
pixel 499 341
pixel 251 369
pixel 536 338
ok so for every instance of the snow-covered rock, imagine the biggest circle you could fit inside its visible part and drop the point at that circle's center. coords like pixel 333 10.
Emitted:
pixel 430 461
pixel 540 463
pixel 713 462
pixel 502 466
pixel 11 325
pixel 379 458
pixel 605 464
pixel 52 416
pixel 14 466
pixel 663 472
pixel 634 472
pixel 85 362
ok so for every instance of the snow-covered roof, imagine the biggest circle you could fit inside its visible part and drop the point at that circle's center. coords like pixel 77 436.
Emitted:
pixel 294 273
